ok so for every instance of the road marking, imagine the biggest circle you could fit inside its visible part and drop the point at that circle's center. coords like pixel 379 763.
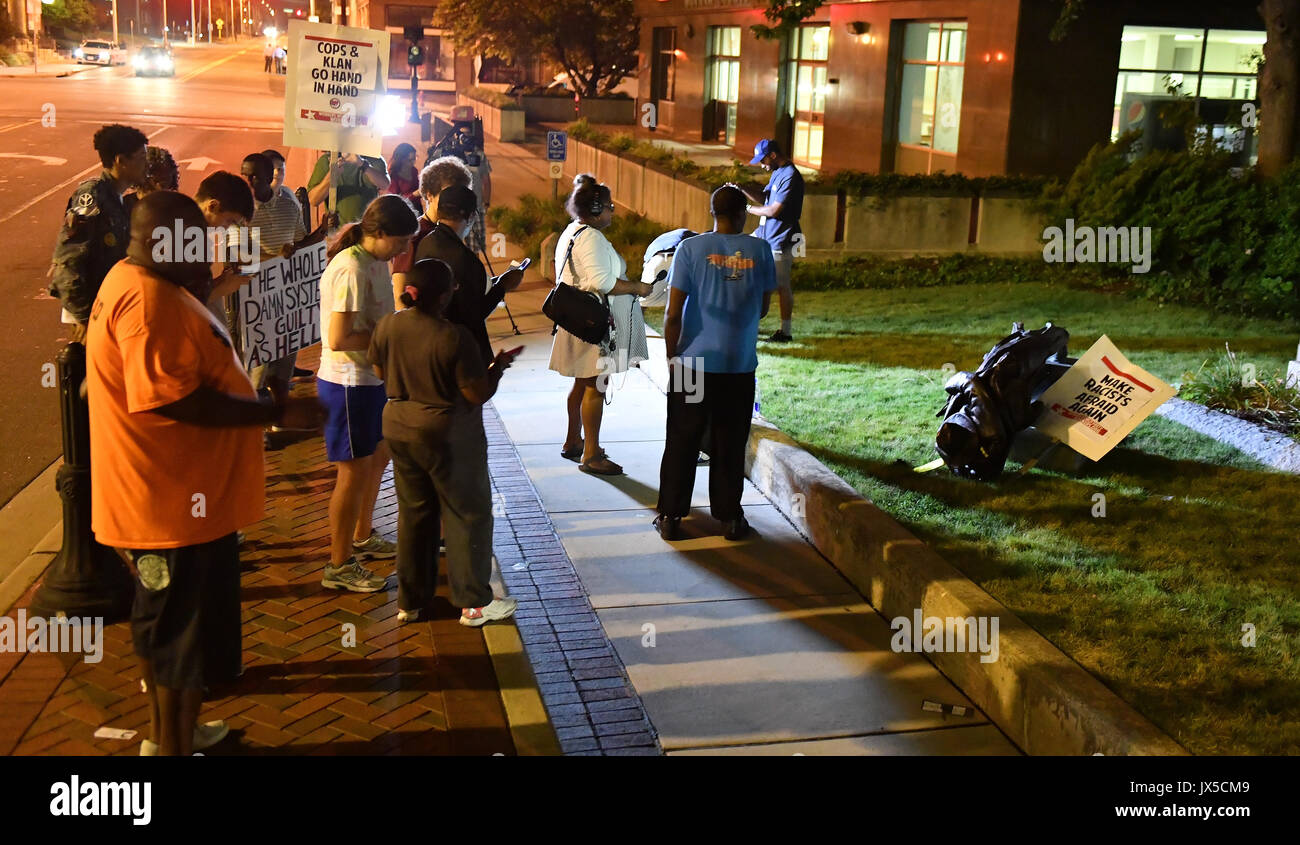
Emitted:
pixel 77 177
pixel 17 126
pixel 51 160
pixel 210 65
pixel 199 164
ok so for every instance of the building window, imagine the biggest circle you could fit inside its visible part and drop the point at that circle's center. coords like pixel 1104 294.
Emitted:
pixel 807 93
pixel 929 104
pixel 1217 66
pixel 663 77
pixel 405 16
pixel 722 80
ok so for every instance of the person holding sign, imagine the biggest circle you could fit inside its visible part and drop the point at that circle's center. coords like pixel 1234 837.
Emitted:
pixel 433 423
pixel 359 180
pixel 355 294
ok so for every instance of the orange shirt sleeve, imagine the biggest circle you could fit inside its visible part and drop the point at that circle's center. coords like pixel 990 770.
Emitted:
pixel 161 363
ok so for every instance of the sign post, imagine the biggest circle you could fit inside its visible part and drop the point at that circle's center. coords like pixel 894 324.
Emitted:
pixel 557 150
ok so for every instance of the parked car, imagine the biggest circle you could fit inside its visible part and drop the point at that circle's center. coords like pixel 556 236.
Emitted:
pixel 155 61
pixel 100 53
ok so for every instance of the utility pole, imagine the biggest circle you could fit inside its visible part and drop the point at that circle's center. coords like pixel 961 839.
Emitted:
pixel 193 23
pixel 114 28
pixel 166 26
pixel 209 21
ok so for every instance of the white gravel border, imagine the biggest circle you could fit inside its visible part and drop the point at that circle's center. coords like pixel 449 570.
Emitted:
pixel 1268 447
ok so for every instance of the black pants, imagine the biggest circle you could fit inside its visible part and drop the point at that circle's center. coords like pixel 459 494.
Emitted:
pixel 443 483
pixel 722 403
pixel 190 629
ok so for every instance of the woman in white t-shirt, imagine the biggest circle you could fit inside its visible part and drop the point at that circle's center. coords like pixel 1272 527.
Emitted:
pixel 595 266
pixel 356 292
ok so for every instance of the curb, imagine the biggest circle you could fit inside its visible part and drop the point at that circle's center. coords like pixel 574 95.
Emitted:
pixel 1044 701
pixel 1264 445
pixel 530 724
pixel 32 524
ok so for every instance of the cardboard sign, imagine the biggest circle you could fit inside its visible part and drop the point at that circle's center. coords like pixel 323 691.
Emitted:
pixel 336 76
pixel 1100 400
pixel 280 308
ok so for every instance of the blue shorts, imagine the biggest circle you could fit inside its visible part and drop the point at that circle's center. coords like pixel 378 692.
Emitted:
pixel 354 422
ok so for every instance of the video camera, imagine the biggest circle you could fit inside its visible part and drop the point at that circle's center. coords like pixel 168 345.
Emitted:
pixel 462 137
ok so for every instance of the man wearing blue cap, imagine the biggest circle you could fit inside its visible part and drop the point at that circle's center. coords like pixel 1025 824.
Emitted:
pixel 781 207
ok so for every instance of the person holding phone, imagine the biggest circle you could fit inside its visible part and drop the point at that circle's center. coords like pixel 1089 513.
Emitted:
pixel 437 383
pixel 476 295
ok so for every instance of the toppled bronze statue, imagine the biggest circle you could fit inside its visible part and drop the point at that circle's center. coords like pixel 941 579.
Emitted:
pixel 986 409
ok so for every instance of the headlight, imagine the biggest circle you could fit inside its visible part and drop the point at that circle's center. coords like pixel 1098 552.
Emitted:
pixel 78 53
pixel 162 63
pixel 138 61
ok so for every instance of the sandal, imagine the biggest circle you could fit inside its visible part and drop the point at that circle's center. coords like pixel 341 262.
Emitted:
pixel 601 466
pixel 572 453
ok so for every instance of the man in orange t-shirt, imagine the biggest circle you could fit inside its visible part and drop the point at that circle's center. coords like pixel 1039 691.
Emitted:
pixel 176 464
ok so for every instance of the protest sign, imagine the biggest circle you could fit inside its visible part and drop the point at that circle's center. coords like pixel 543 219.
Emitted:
pixel 1100 400
pixel 337 75
pixel 280 307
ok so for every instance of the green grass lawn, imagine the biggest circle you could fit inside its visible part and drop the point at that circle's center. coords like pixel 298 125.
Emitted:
pixel 1198 539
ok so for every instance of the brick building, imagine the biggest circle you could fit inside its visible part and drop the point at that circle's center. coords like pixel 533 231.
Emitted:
pixel 918 86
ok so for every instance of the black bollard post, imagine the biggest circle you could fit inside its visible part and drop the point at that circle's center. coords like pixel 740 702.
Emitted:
pixel 85 578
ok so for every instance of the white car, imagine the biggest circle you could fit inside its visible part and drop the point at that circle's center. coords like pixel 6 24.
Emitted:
pixel 100 53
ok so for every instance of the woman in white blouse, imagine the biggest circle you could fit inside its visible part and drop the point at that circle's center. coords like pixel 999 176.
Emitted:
pixel 595 266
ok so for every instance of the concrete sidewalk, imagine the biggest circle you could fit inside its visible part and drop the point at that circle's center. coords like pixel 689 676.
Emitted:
pixel 60 69
pixel 754 647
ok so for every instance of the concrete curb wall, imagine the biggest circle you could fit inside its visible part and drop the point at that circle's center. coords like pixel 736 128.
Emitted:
pixel 1264 445
pixel 1044 701
pixel 506 125
pixel 904 225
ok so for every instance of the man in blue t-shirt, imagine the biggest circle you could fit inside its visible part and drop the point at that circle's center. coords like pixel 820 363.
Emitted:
pixel 780 209
pixel 720 286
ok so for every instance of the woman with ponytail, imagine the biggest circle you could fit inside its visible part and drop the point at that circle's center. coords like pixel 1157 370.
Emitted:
pixel 437 382
pixel 355 294
pixel 585 259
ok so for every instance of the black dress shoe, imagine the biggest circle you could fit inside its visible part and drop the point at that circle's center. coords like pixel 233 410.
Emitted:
pixel 299 372
pixel 669 527
pixel 736 528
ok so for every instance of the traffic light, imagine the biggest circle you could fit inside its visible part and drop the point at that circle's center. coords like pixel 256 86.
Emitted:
pixel 414 53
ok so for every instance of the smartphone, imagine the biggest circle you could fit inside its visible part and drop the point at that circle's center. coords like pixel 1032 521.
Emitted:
pixel 521 266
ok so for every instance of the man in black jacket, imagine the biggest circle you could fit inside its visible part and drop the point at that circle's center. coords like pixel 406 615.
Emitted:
pixel 96 227
pixel 476 296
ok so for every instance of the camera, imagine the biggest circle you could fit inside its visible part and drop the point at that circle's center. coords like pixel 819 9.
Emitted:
pixel 461 137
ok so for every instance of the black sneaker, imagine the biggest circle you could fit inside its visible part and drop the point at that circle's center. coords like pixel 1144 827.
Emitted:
pixel 736 528
pixel 669 527
pixel 299 372
pixel 779 336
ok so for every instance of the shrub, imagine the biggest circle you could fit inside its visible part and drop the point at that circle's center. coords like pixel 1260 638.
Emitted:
pixel 496 99
pixel 1222 384
pixel 1219 238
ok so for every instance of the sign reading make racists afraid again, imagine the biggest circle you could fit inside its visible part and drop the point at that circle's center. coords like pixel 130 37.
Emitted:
pixel 336 76
pixel 1100 400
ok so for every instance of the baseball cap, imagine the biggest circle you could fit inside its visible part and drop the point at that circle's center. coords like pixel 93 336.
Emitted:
pixel 457 202
pixel 762 148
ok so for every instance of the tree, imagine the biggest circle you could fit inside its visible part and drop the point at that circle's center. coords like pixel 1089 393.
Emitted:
pixel 785 17
pixel 1279 80
pixel 595 41
pixel 77 15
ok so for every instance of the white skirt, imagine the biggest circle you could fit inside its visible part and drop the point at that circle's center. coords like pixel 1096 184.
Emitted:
pixel 573 357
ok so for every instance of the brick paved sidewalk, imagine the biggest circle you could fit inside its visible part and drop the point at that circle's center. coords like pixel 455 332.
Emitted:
pixel 422 689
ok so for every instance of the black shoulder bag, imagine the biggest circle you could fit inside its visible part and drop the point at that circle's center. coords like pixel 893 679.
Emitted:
pixel 582 314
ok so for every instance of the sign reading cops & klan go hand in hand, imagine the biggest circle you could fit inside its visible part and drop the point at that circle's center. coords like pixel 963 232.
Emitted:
pixel 280 307
pixel 336 76
pixel 1100 400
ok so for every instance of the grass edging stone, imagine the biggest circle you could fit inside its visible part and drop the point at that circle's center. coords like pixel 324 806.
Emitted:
pixel 1264 445
pixel 1044 701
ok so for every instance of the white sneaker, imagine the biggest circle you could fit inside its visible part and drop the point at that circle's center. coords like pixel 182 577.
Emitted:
pixel 404 616
pixel 494 611
pixel 206 735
